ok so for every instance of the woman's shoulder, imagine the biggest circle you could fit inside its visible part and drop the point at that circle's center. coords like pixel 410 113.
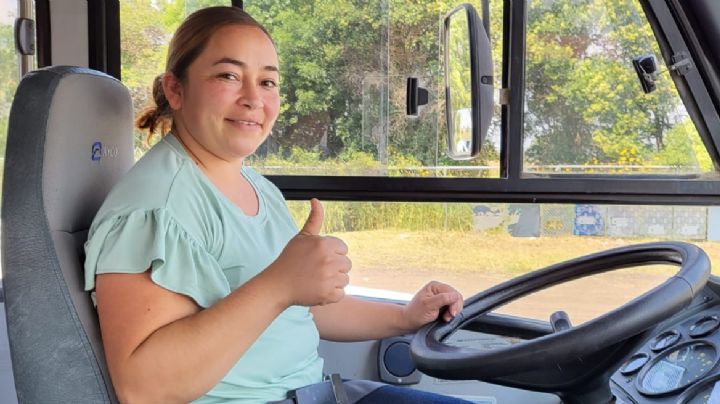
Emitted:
pixel 153 183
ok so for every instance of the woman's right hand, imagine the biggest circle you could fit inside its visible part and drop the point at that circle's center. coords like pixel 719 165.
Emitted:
pixel 313 269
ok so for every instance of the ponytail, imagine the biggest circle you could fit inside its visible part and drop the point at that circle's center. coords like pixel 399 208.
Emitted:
pixel 156 119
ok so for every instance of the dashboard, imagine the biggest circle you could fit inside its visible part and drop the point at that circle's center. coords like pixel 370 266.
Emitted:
pixel 678 364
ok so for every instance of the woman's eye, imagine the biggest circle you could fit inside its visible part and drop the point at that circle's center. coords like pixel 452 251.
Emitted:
pixel 227 76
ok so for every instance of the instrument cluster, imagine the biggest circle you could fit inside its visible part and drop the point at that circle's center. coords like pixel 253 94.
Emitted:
pixel 679 365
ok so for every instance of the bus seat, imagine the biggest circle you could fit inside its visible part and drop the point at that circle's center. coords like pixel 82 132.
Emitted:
pixel 70 138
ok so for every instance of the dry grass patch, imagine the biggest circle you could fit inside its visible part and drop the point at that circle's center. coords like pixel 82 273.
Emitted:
pixel 404 261
pixel 472 252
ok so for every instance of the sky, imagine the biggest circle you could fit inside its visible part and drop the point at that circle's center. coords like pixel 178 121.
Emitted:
pixel 8 11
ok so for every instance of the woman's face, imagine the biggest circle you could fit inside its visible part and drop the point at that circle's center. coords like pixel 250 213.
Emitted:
pixel 229 99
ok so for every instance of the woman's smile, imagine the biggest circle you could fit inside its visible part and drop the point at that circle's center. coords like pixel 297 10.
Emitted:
pixel 244 122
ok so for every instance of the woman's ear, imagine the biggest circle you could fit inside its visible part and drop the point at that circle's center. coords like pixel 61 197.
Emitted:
pixel 173 89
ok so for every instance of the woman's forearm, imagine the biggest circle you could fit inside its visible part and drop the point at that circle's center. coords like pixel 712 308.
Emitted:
pixel 354 319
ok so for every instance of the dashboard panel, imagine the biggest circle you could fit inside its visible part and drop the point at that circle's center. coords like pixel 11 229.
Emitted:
pixel 678 364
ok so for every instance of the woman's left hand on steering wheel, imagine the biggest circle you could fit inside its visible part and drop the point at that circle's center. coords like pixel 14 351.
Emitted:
pixel 428 303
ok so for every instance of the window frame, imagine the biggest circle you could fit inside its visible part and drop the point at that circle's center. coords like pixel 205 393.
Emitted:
pixel 42 33
pixel 104 36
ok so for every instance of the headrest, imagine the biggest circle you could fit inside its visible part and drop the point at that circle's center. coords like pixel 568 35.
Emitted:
pixel 77 123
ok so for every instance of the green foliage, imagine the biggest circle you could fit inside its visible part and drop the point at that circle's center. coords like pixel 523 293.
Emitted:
pixel 459 70
pixel 324 57
pixel 144 45
pixel 361 216
pixel 584 103
pixel 684 150
pixel 331 95
pixel 8 78
pixel 299 161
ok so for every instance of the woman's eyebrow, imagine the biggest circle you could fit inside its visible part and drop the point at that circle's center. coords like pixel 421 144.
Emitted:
pixel 242 64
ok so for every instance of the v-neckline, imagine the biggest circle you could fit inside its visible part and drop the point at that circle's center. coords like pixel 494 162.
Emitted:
pixel 174 142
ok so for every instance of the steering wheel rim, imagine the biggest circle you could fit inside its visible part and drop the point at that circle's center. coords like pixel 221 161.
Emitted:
pixel 435 358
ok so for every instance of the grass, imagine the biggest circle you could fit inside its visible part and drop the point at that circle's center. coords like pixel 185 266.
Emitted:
pixel 403 261
pixel 474 252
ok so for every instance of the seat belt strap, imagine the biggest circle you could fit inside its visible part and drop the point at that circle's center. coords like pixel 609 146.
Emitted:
pixel 338 388
pixel 329 391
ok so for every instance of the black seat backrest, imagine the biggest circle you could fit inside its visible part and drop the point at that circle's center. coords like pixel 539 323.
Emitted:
pixel 70 139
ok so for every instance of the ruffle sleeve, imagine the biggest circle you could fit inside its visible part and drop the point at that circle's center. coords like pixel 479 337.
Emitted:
pixel 153 239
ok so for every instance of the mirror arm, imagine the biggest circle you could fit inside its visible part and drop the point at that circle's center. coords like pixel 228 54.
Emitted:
pixel 486 16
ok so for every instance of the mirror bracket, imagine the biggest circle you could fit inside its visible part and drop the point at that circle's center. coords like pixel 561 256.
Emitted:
pixel 646 67
pixel 682 63
pixel 415 96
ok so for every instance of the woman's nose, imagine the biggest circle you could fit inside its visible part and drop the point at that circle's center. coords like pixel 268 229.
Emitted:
pixel 250 97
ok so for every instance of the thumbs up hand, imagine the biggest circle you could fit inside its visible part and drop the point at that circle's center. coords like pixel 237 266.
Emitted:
pixel 315 219
pixel 313 268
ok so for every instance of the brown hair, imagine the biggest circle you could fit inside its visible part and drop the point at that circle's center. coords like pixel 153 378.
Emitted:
pixel 186 45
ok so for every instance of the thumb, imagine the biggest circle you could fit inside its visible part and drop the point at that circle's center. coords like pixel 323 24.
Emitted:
pixel 314 222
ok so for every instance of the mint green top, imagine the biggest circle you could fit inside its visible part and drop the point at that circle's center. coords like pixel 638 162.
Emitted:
pixel 166 215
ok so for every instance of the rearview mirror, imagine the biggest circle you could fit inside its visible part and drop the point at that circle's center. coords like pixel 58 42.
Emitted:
pixel 468 80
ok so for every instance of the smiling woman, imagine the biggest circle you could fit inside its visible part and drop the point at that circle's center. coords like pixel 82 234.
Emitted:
pixel 218 100
pixel 199 270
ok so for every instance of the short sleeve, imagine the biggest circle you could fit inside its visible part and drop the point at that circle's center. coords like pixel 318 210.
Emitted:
pixel 153 239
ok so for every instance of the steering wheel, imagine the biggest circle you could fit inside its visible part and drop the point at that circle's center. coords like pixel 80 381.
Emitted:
pixel 575 363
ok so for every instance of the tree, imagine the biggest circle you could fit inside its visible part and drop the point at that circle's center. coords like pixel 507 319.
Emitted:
pixel 344 66
pixel 684 150
pixel 584 104
pixel 326 49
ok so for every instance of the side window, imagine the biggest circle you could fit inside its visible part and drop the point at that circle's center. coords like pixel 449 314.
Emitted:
pixel 397 247
pixel 586 112
pixel 145 31
pixel 344 68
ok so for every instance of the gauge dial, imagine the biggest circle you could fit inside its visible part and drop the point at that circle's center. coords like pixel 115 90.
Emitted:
pixel 665 340
pixel 705 326
pixel 677 368
pixel 635 363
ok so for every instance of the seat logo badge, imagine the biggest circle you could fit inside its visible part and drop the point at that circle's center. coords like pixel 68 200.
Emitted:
pixel 98 152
